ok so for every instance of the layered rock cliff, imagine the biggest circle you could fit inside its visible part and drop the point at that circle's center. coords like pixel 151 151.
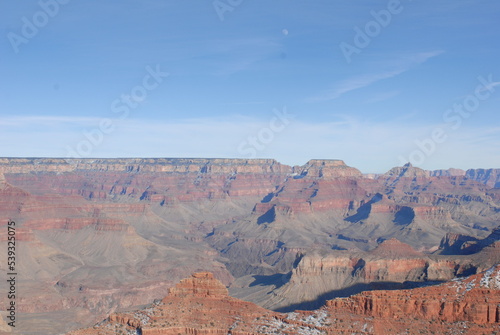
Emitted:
pixel 104 234
pixel 489 177
pixel 447 173
pixel 199 305
pixel 474 299
pixel 326 168
pixel 169 165
pixel 319 276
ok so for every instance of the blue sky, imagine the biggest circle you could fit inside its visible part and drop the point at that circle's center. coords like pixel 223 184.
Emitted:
pixel 375 83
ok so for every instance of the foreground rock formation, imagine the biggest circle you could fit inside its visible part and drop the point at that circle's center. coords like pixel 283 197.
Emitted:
pixel 201 305
pixel 100 235
pixel 465 305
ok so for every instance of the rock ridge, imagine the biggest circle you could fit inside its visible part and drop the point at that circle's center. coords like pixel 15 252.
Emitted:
pixel 169 165
pixel 201 284
pixel 474 299
pixel 471 304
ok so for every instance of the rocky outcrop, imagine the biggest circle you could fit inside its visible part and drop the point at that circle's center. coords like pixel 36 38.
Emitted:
pixel 327 168
pixel 201 285
pixel 200 305
pixel 394 249
pixel 406 171
pixel 474 299
pixel 447 173
pixel 489 177
pixel 470 304
pixel 457 244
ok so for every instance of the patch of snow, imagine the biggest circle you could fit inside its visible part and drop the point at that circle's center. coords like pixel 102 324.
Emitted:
pixel 318 318
pixel 365 327
pixel 470 285
pixel 143 318
pixel 462 285
pixel 273 327
pixel 307 331
pixel 486 279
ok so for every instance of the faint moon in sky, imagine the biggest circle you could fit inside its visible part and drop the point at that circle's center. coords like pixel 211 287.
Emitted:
pixel 285 32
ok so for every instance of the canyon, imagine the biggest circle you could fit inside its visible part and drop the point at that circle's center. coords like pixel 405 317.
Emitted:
pixel 200 305
pixel 100 236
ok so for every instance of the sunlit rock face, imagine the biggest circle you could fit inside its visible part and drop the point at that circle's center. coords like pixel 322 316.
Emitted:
pixel 99 235
pixel 200 305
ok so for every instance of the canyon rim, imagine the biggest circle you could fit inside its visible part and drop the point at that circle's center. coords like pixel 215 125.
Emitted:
pixel 99 237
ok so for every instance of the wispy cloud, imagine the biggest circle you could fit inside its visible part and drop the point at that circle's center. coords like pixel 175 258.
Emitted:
pixel 382 96
pixel 226 57
pixel 365 80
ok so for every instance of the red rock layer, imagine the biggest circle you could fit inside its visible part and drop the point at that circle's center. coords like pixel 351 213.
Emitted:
pixel 327 168
pixel 180 165
pixel 393 248
pixel 202 284
pixel 475 299
pixel 199 306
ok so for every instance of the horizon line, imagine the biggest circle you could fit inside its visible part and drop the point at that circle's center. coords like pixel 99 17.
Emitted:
pixel 235 159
